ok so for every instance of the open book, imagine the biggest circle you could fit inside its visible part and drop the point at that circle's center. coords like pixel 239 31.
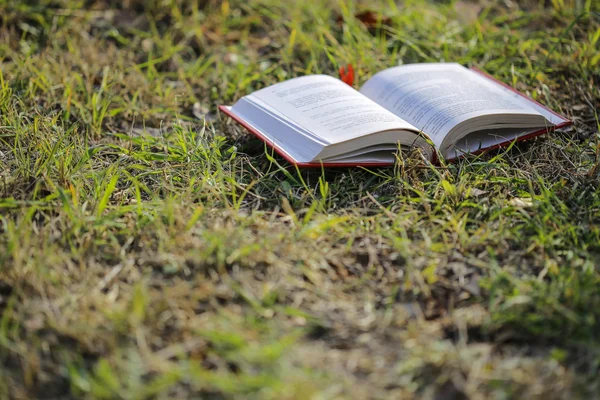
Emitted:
pixel 319 120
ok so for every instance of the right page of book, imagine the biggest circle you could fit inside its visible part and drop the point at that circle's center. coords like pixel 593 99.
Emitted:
pixel 438 97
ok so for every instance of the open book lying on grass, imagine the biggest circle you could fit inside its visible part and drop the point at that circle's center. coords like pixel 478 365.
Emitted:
pixel 319 120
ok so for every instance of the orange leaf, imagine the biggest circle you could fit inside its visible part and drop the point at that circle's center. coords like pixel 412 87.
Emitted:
pixel 347 74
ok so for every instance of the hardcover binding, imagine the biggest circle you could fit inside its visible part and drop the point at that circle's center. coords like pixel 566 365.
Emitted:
pixel 227 110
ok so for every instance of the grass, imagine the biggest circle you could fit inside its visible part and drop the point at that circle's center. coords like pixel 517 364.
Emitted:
pixel 149 248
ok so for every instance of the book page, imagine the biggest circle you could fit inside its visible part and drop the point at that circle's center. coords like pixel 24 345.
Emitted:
pixel 276 131
pixel 437 97
pixel 328 108
pixel 551 116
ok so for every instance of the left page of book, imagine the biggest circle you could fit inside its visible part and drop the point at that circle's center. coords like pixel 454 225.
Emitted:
pixel 326 108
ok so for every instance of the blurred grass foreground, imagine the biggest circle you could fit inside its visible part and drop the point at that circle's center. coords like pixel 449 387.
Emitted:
pixel 150 248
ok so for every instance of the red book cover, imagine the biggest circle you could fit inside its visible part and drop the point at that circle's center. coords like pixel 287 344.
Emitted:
pixel 565 122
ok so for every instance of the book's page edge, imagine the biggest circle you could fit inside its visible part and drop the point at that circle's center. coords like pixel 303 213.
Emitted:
pixel 521 138
pixel 499 82
pixel 228 111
